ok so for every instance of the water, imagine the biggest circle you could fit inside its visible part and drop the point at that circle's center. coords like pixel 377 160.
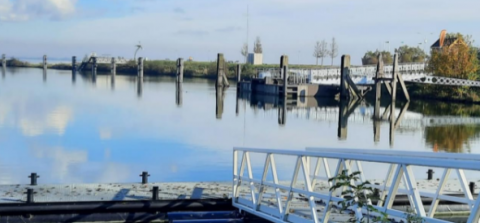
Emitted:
pixel 83 130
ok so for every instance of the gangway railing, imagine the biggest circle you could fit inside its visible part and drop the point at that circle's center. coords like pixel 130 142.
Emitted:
pixel 255 186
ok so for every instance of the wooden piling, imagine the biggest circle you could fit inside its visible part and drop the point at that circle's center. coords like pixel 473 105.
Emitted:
pixel 113 66
pixel 180 68
pixel 394 77
pixel 221 71
pixel 45 62
pixel 140 67
pixel 94 66
pixel 378 92
pixel 285 81
pixel 344 68
pixel 219 102
pixel 342 119
pixel 4 61
pixel 74 64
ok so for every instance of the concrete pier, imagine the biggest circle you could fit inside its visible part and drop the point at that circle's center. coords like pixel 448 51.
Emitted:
pixel 180 68
pixel 140 67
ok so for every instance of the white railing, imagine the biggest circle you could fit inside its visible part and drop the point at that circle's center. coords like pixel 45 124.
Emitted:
pixel 261 191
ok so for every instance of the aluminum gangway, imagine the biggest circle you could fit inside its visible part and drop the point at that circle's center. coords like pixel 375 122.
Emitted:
pixel 259 189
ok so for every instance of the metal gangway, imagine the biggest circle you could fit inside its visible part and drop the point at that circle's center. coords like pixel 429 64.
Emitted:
pixel 259 189
pixel 100 60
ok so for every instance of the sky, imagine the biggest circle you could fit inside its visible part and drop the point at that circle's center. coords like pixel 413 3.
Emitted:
pixel 202 28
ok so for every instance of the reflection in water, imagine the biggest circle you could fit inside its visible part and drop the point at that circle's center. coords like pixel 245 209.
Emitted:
pixel 220 93
pixel 139 87
pixel 179 94
pixel 94 137
pixel 112 81
pixel 44 75
pixel 74 77
pixel 451 138
pixel 3 72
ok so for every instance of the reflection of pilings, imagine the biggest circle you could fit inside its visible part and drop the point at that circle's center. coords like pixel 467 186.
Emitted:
pixel 392 122
pixel 342 120
pixel 44 75
pixel 4 71
pixel 4 61
pixel 74 64
pixel 179 94
pixel 140 67
pixel 219 105
pixel 112 81
pixel 139 87
pixel 237 109
pixel 376 121
pixel 282 112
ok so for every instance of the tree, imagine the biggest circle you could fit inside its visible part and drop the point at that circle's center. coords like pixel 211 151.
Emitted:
pixel 371 58
pixel 333 49
pixel 244 51
pixel 258 46
pixel 456 61
pixel 320 50
pixel 408 54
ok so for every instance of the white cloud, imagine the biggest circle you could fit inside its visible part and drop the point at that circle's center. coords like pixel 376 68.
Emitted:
pixel 23 10
pixel 55 121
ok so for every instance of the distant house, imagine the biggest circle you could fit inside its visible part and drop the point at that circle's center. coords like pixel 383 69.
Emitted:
pixel 255 58
pixel 447 41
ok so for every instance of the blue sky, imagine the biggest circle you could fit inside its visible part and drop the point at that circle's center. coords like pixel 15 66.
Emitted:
pixel 202 28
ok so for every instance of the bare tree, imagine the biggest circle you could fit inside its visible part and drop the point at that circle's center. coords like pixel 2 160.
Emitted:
pixel 257 48
pixel 320 50
pixel 244 51
pixel 333 49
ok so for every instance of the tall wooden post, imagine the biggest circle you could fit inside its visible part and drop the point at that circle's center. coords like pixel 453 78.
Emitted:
pixel 285 81
pixel 220 70
pixel 113 66
pixel 74 64
pixel 44 62
pixel 4 61
pixel 94 66
pixel 180 69
pixel 394 77
pixel 344 68
pixel 140 67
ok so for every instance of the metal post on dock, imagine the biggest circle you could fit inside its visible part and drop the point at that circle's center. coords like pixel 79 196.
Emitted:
pixel 113 66
pixel 33 179
pixel 180 69
pixel 144 176
pixel 430 174
pixel 140 67
pixel 155 193
pixel 30 198
pixel 44 62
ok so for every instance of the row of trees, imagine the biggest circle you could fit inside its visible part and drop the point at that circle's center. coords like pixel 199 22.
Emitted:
pixel 257 48
pixel 323 49
pixel 406 54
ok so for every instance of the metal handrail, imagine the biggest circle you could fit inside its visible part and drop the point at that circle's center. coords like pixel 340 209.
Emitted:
pixel 400 162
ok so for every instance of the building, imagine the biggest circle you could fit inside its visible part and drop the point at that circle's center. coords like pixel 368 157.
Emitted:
pixel 447 41
pixel 255 58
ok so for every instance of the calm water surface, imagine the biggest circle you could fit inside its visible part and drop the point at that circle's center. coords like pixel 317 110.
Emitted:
pixel 84 129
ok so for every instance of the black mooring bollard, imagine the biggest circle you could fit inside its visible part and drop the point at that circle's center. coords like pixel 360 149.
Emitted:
pixel 155 193
pixel 472 187
pixel 430 174
pixel 33 179
pixel 145 176
pixel 30 193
